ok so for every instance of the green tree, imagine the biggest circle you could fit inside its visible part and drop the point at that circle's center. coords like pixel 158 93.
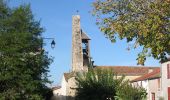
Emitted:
pixel 105 85
pixel 128 92
pixel 95 85
pixel 144 23
pixel 23 65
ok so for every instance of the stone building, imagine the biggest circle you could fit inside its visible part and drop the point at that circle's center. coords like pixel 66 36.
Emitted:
pixel 81 61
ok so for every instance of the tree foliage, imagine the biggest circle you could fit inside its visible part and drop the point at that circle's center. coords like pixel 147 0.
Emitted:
pixel 97 85
pixel 145 23
pixel 23 66
pixel 105 85
pixel 128 92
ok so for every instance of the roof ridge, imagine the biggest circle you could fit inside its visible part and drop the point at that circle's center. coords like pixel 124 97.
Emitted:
pixel 127 66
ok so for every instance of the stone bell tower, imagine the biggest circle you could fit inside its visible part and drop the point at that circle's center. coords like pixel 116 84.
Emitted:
pixel 80 46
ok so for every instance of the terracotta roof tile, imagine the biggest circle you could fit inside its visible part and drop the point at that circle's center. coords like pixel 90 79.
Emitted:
pixel 120 70
pixel 128 70
pixel 151 75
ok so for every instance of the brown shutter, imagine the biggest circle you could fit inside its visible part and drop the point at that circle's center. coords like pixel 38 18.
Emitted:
pixel 168 93
pixel 153 96
pixel 168 71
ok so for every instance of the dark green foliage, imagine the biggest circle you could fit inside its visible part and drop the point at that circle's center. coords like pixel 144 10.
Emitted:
pixel 95 85
pixel 105 85
pixel 144 23
pixel 23 66
pixel 127 92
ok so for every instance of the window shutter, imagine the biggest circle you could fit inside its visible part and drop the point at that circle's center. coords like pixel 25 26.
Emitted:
pixel 168 93
pixel 153 96
pixel 168 71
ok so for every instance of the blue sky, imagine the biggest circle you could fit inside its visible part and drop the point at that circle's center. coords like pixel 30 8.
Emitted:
pixel 56 18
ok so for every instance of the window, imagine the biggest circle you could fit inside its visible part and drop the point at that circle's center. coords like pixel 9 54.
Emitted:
pixel 159 83
pixel 168 71
pixel 153 96
pixel 168 93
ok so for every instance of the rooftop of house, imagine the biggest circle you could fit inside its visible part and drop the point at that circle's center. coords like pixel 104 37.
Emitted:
pixel 128 70
pixel 152 75
pixel 120 70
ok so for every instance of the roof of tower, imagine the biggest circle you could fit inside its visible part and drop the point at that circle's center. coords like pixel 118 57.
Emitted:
pixel 84 36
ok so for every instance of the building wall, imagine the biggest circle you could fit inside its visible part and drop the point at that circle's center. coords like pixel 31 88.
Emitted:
pixel 71 87
pixel 153 88
pixel 60 94
pixel 128 77
pixel 57 92
pixel 131 77
pixel 63 86
pixel 165 82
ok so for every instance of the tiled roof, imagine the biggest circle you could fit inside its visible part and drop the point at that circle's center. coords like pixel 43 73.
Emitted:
pixel 152 75
pixel 120 70
pixel 84 35
pixel 128 70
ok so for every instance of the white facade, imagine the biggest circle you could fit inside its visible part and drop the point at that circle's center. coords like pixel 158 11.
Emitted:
pixel 151 83
pixel 63 86
pixel 154 88
pixel 165 82
pixel 151 86
pixel 60 94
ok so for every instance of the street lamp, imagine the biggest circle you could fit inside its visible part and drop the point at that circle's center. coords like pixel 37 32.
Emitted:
pixel 52 43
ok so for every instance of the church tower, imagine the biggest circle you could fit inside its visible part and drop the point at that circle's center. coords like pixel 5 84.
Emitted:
pixel 80 47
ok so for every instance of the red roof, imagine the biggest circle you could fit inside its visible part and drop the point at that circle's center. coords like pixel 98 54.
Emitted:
pixel 128 70
pixel 152 75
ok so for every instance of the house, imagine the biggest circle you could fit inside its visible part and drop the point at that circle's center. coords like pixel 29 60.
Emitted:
pixel 157 82
pixel 165 80
pixel 151 82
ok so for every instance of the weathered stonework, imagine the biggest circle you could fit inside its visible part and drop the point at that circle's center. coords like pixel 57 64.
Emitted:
pixel 80 61
pixel 77 54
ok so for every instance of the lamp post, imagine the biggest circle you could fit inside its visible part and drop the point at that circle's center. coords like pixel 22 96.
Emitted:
pixel 52 42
